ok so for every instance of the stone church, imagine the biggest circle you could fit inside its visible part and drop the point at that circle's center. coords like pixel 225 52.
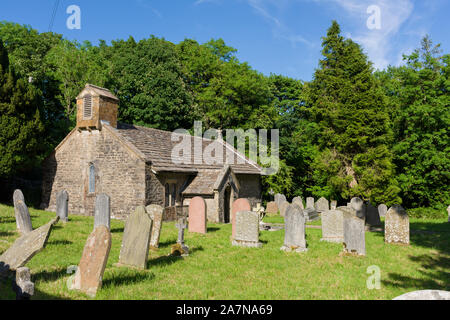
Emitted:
pixel 134 166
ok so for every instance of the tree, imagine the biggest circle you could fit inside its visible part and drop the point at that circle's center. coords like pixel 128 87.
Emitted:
pixel 20 123
pixel 347 103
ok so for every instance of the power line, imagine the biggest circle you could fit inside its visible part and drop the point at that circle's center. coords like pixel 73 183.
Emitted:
pixel 52 20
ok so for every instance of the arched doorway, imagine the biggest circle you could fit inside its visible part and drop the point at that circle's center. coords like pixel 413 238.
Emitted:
pixel 227 205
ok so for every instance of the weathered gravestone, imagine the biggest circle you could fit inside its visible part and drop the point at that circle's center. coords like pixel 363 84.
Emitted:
pixel 18 195
pixel 136 239
pixel 102 215
pixel 372 216
pixel 23 219
pixel 396 226
pixel 22 285
pixel 26 247
pixel 354 232
pixel 310 203
pixel 359 206
pixel 448 211
pixel 333 205
pixel 322 205
pixel 180 249
pixel 241 204
pixel 283 208
pixel 382 209
pixel 197 215
pixel 294 234
pixel 333 226
pixel 279 199
pixel 156 214
pixel 62 205
pixel 272 208
pixel 247 230
pixel 89 275
pixel 425 295
pixel 311 214
pixel 298 201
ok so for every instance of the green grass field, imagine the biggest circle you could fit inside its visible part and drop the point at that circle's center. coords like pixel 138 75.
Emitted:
pixel 216 270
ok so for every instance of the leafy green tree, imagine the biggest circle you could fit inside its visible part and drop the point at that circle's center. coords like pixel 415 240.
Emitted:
pixel 348 105
pixel 20 123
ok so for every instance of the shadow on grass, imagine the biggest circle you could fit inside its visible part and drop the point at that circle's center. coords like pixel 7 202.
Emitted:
pixel 167 243
pixel 59 242
pixel 127 279
pixel 117 230
pixel 169 259
pixel 49 275
pixel 6 233
pixel 7 220
pixel 212 229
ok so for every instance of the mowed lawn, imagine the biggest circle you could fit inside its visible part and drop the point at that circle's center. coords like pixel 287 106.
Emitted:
pixel 216 270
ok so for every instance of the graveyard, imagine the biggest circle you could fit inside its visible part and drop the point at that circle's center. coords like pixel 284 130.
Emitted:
pixel 214 269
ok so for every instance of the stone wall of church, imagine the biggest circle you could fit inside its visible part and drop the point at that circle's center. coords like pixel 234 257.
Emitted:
pixel 119 173
pixel 250 188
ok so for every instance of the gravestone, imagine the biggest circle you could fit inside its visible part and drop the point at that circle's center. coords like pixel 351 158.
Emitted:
pixel 448 211
pixel 136 239
pixel 279 199
pixel 89 275
pixel 241 204
pixel 24 248
pixel 102 211
pixel 425 295
pixel 333 205
pixel 272 208
pixel 283 208
pixel 311 214
pixel 23 219
pixel 310 203
pixel 247 230
pixel 298 201
pixel 354 232
pixel 23 286
pixel 372 216
pixel 294 234
pixel 333 226
pixel 62 205
pixel 156 214
pixel 396 226
pixel 18 195
pixel 197 215
pixel 359 206
pixel 322 205
pixel 382 209
pixel 180 248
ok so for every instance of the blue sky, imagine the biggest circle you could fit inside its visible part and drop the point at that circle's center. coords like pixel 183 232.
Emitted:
pixel 273 36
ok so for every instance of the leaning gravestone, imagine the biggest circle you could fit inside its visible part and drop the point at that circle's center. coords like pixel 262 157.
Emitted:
pixel 23 286
pixel 102 211
pixel 197 215
pixel 396 226
pixel 359 206
pixel 23 219
pixel 136 239
pixel 333 205
pixel 311 214
pixel 62 205
pixel 295 225
pixel 241 204
pixel 26 247
pixel 333 226
pixel 425 295
pixel 322 205
pixel 298 201
pixel 310 203
pixel 372 216
pixel 156 214
pixel 89 275
pixel 279 199
pixel 354 232
pixel 283 208
pixel 382 209
pixel 272 208
pixel 247 230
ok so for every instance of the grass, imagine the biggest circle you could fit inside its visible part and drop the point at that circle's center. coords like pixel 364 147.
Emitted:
pixel 216 270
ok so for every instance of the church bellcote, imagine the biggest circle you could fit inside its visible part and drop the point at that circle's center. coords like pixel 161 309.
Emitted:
pixel 94 106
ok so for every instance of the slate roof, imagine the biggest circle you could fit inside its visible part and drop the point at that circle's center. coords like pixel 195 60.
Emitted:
pixel 97 91
pixel 157 146
pixel 203 182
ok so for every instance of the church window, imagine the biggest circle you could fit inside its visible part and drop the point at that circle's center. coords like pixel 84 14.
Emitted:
pixel 87 107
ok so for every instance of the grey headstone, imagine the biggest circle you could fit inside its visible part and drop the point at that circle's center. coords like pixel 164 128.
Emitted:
pixel 279 199
pixel 311 214
pixel 322 205
pixel 372 216
pixel 62 205
pixel 180 247
pixel 425 295
pixel 396 226
pixel 354 232
pixel 382 209
pixel 247 229
pixel 136 239
pixel 156 214
pixel 298 201
pixel 18 195
pixel 333 226
pixel 283 207
pixel 294 236
pixel 359 206
pixel 448 211
pixel 23 286
pixel 26 247
pixel 23 219
pixel 333 205
pixel 102 211
pixel 310 203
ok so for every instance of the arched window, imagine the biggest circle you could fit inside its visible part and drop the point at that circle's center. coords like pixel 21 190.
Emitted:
pixel 91 178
